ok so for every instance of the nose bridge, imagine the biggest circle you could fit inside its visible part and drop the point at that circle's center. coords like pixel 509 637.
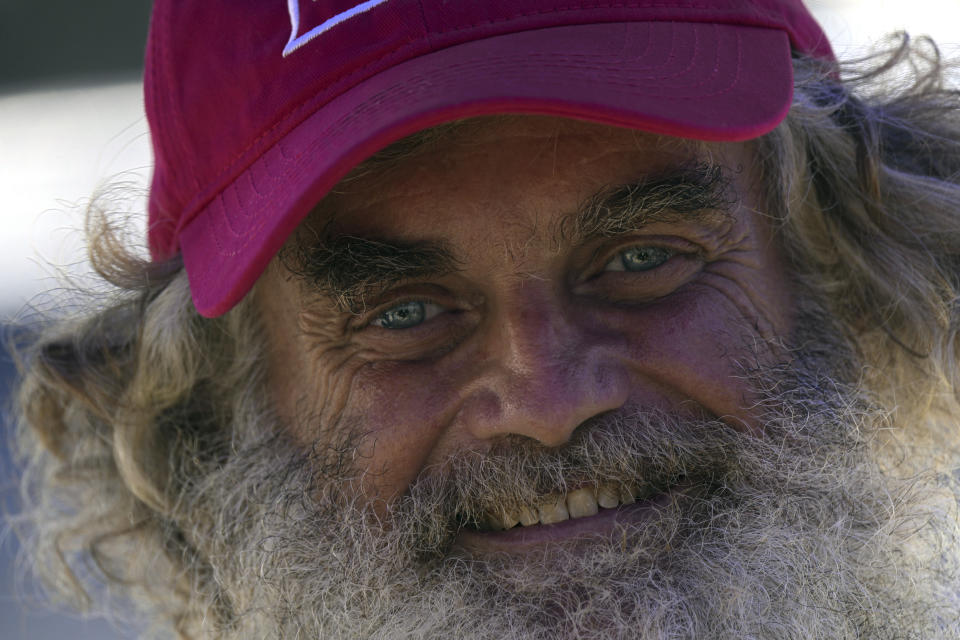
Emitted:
pixel 533 333
pixel 547 376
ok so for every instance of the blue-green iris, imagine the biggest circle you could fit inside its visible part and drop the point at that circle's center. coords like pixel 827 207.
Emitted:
pixel 644 258
pixel 402 316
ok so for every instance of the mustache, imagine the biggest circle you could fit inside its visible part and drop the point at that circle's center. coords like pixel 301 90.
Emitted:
pixel 648 451
pixel 808 423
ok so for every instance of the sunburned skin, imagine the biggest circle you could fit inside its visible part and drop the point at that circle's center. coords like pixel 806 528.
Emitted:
pixel 535 329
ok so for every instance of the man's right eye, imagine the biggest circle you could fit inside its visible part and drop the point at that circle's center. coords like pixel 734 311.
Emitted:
pixel 639 258
pixel 407 315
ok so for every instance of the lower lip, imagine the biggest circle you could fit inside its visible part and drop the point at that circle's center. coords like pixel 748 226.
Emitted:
pixel 602 524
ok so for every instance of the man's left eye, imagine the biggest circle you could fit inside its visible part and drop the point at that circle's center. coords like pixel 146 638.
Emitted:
pixel 640 258
pixel 407 315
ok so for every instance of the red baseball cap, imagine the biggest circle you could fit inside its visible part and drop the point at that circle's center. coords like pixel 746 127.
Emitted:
pixel 257 109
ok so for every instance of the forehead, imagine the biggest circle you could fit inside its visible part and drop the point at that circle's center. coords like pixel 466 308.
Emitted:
pixel 502 170
pixel 504 187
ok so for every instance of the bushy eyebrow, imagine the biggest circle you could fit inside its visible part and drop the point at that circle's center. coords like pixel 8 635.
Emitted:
pixel 348 270
pixel 699 193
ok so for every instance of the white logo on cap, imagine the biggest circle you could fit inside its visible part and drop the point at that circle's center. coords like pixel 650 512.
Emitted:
pixel 295 41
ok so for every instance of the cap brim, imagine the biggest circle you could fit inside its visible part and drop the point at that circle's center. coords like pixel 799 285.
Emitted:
pixel 694 80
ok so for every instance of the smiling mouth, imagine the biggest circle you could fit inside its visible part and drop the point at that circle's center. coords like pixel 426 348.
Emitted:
pixel 584 502
pixel 583 513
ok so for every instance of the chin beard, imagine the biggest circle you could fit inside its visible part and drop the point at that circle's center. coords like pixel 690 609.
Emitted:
pixel 796 533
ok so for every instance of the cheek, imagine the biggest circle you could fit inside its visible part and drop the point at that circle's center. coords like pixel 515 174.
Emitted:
pixel 401 409
pixel 695 345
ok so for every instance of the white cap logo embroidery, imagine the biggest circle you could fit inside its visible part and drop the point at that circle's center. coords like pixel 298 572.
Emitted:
pixel 297 39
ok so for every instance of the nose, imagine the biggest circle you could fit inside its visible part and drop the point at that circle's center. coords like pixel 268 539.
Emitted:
pixel 545 374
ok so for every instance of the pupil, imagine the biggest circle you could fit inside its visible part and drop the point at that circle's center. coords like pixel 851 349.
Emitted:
pixel 642 259
pixel 404 316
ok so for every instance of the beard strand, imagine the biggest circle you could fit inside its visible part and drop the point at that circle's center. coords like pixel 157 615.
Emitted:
pixel 797 533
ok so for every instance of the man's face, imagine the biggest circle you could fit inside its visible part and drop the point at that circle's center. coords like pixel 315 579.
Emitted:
pixel 547 379
pixel 558 271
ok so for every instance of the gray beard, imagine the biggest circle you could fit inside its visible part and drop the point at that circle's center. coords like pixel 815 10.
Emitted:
pixel 795 534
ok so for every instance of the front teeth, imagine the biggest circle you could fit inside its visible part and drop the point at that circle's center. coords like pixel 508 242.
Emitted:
pixel 528 516
pixel 581 503
pixel 554 510
pixel 607 497
pixel 557 508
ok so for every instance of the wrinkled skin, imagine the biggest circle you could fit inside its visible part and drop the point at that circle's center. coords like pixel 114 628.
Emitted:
pixel 544 360
pixel 534 333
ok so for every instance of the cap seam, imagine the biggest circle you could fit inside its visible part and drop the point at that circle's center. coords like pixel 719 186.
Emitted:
pixel 777 17
pixel 423 23
pixel 177 112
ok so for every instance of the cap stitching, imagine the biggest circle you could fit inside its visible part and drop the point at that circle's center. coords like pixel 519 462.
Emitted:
pixel 617 5
pixel 423 22
pixel 170 88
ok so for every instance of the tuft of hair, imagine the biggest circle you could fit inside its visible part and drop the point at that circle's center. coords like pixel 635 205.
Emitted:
pixel 121 407
pixel 863 183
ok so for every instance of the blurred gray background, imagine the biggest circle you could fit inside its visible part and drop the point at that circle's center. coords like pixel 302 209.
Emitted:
pixel 64 41
pixel 55 56
pixel 71 119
